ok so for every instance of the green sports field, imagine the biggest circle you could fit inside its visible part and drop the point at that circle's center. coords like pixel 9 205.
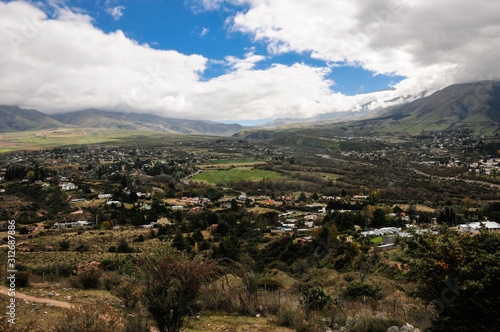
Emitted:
pixel 236 174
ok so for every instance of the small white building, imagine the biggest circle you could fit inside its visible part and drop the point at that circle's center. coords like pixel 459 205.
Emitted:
pixel 101 196
pixel 68 186
pixel 72 224
pixel 474 227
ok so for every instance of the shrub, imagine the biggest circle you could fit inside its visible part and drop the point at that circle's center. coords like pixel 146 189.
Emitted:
pixel 270 283
pixel 288 315
pixel 123 246
pixel 368 323
pixel 355 290
pixel 172 281
pixel 459 273
pixel 82 247
pixel 22 279
pixel 111 280
pixel 64 245
pixel 54 271
pixel 140 238
pixel 128 292
pixel 89 317
pixel 137 323
pixel 316 299
pixel 89 277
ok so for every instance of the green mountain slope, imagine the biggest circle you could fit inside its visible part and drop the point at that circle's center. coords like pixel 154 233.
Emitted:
pixel 473 106
pixel 144 122
pixel 13 118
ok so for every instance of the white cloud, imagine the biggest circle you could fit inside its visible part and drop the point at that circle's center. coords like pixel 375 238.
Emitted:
pixel 65 63
pixel 204 31
pixel 433 43
pixel 116 12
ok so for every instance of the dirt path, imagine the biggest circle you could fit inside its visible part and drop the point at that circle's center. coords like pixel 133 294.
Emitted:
pixel 56 303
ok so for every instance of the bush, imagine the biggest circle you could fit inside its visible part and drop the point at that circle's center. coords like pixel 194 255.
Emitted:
pixel 355 290
pixel 137 323
pixel 316 299
pixel 140 238
pixel 82 247
pixel 288 315
pixel 89 317
pixel 368 323
pixel 111 280
pixel 54 271
pixel 270 283
pixel 292 317
pixel 128 292
pixel 22 279
pixel 172 281
pixel 123 246
pixel 89 277
pixel 64 245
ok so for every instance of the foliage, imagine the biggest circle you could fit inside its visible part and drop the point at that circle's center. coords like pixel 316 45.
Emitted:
pixel 355 290
pixel 22 279
pixel 5 325
pixel 64 245
pixel 91 317
pixel 123 246
pixel 89 277
pixel 460 274
pixel 129 292
pixel 316 299
pixel 270 283
pixel 172 280
pixel 54 271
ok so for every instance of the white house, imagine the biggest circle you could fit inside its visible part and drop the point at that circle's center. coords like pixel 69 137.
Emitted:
pixel 101 196
pixel 68 186
pixel 474 227
pixel 72 224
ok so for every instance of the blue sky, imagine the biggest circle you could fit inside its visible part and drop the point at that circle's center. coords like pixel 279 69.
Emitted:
pixel 182 26
pixel 245 61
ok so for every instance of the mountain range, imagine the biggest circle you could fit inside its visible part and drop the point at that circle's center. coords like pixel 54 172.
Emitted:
pixel 13 118
pixel 474 106
pixel 470 105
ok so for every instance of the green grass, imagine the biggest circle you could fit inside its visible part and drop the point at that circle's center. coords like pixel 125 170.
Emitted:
pixel 237 161
pixel 236 174
pixel 41 139
pixel 376 240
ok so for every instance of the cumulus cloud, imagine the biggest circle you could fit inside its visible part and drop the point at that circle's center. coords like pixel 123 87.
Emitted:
pixel 432 43
pixel 65 63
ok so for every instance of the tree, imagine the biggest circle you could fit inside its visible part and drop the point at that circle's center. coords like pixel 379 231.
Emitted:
pixel 378 218
pixel 447 216
pixel 302 197
pixel 460 275
pixel 178 241
pixel 467 203
pixel 172 281
pixel 234 205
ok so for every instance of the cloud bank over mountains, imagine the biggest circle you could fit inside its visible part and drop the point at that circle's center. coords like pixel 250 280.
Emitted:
pixel 62 61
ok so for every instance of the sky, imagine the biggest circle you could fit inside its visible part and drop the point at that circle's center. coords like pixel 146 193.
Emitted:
pixel 245 61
